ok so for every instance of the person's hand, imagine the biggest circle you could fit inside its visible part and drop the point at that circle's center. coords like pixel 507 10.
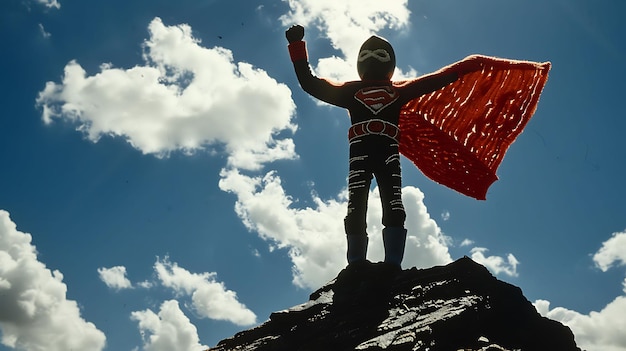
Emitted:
pixel 294 33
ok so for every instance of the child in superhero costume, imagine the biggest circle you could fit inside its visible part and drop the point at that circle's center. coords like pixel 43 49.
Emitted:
pixel 374 105
pixel 455 125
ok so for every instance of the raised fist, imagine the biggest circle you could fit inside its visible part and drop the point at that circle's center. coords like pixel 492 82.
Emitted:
pixel 294 33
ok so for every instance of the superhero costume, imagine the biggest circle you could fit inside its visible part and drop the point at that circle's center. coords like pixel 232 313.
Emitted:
pixel 455 125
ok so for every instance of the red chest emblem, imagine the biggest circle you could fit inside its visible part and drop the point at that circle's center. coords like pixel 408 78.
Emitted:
pixel 376 98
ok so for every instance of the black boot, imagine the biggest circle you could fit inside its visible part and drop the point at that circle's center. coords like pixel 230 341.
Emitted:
pixel 357 248
pixel 394 240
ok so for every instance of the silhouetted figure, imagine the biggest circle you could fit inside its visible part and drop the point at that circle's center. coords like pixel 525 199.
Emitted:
pixel 455 125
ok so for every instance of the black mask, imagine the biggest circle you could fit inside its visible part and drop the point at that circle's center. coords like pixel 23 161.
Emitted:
pixel 377 60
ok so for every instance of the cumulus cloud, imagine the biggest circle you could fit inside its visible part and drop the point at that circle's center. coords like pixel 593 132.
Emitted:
pixel 467 242
pixel 146 284
pixel 168 330
pixel 598 330
pixel 314 236
pixel 612 252
pixel 115 277
pixel 35 313
pixel 347 24
pixel 184 97
pixel 496 264
pixel 210 298
pixel 604 329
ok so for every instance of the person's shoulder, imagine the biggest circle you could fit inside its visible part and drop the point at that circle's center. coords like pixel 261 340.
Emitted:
pixel 403 83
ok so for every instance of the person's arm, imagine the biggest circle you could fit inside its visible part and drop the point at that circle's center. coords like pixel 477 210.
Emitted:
pixel 426 84
pixel 434 81
pixel 320 88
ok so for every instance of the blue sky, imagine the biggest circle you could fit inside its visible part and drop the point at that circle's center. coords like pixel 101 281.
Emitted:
pixel 164 177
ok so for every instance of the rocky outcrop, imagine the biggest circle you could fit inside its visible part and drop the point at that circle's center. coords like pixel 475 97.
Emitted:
pixel 460 306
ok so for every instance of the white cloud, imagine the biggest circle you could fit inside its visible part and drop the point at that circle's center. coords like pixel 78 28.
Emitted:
pixel 145 284
pixel 467 242
pixel 603 330
pixel 347 24
pixel 35 313
pixel 168 330
pixel 50 3
pixel 115 277
pixel 210 298
pixel 496 264
pixel 184 97
pixel 612 252
pixel 315 236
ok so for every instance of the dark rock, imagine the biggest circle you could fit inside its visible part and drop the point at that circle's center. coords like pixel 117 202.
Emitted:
pixel 373 306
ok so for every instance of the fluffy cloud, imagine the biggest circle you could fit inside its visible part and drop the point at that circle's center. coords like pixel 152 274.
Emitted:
pixel 467 242
pixel 315 236
pixel 184 97
pixel 210 298
pixel 496 264
pixel 115 277
pixel 168 330
pixel 347 24
pixel 35 313
pixel 603 330
pixel 612 252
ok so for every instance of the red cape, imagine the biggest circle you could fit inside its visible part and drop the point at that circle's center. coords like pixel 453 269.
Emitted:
pixel 458 135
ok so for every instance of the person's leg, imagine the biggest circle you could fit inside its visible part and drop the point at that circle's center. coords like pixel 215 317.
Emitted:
pixel 359 180
pixel 389 181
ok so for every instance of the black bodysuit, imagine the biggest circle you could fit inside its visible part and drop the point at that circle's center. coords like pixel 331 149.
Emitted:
pixel 374 108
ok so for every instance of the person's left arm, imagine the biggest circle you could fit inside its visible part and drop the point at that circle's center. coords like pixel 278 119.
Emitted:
pixel 434 81
pixel 427 84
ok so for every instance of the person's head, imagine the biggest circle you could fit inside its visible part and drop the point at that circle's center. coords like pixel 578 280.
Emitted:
pixel 377 60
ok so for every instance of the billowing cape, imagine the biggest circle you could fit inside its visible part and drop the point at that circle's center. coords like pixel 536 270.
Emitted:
pixel 458 135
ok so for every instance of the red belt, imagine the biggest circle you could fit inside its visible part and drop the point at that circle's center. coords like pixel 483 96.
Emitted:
pixel 374 127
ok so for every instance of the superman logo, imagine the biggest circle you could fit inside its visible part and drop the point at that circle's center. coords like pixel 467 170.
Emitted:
pixel 376 98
